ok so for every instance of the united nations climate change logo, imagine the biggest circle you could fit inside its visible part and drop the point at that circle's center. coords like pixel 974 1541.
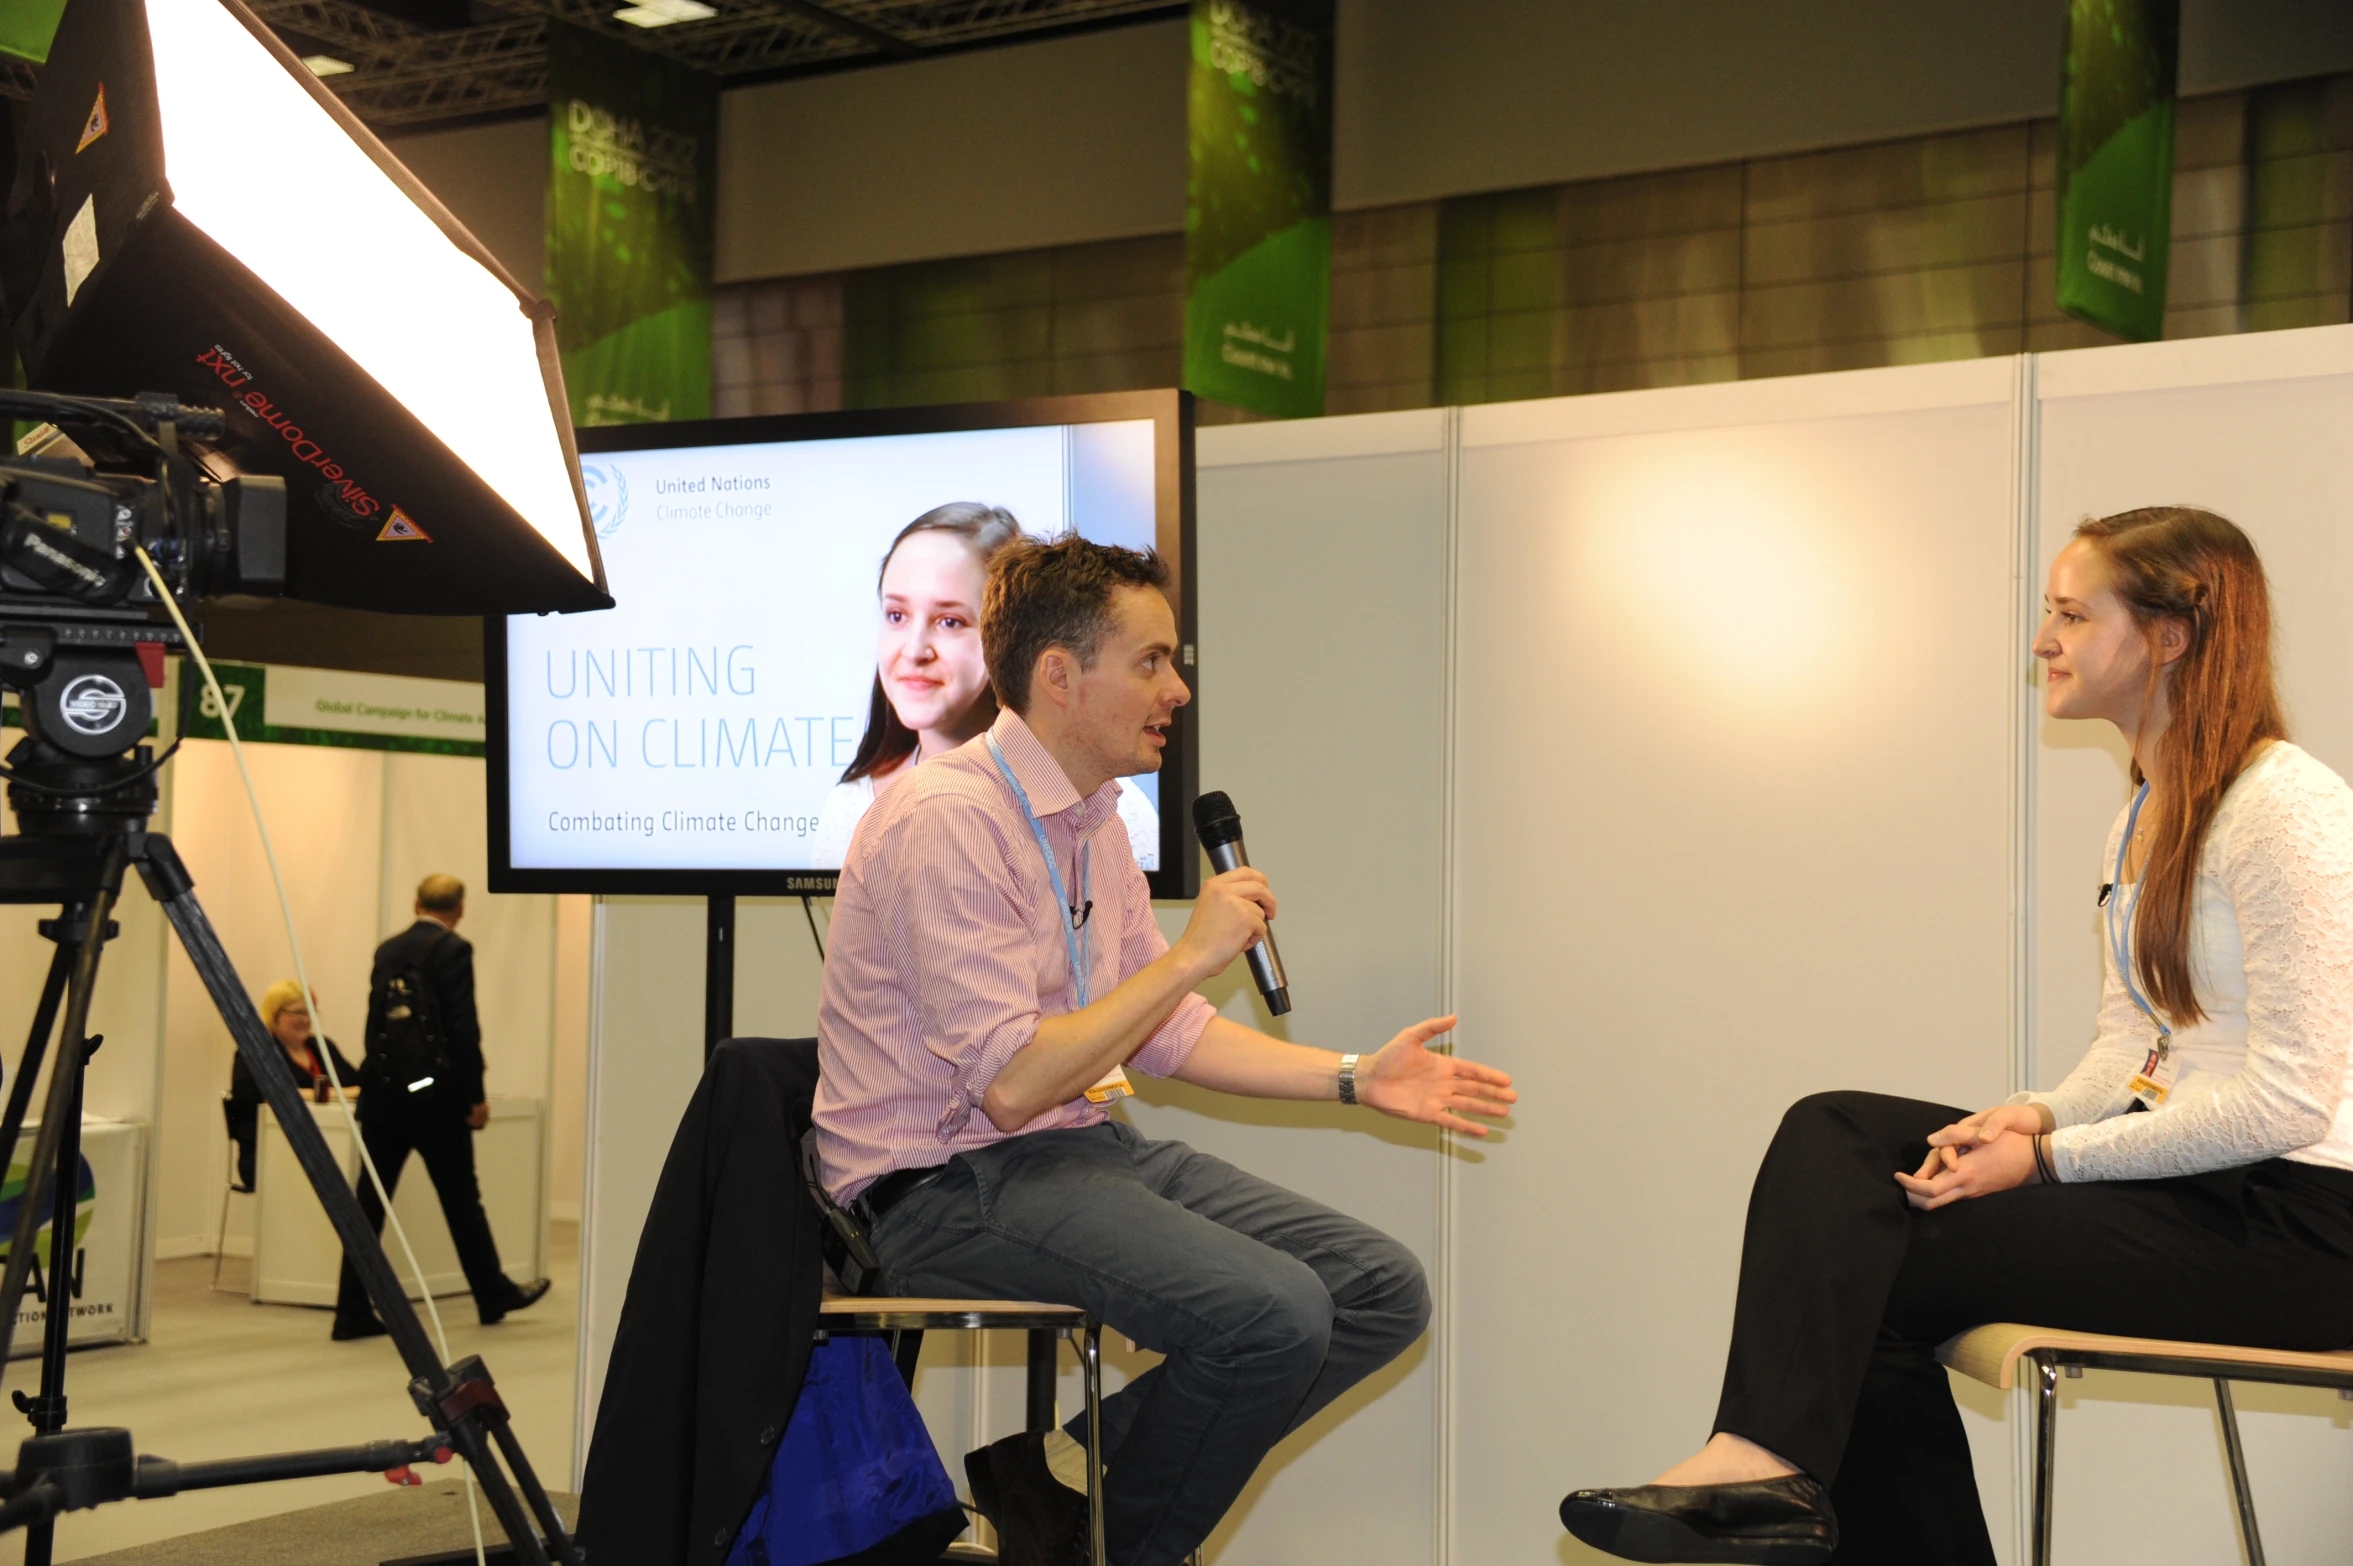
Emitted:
pixel 608 498
pixel 12 1192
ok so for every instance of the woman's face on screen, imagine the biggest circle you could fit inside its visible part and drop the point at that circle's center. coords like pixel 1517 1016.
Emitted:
pixel 929 658
pixel 2095 655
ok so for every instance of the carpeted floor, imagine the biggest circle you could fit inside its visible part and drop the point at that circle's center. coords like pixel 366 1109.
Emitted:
pixel 390 1526
pixel 223 1377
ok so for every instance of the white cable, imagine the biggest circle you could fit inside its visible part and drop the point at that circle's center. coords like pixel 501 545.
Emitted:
pixel 318 1022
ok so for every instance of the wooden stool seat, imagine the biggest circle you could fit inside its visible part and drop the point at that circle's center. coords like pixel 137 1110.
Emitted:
pixel 1991 1354
pixel 891 1312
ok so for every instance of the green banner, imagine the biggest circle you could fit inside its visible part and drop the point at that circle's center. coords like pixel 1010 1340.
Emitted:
pixel 1258 203
pixel 26 26
pixel 635 141
pixel 2115 175
pixel 285 705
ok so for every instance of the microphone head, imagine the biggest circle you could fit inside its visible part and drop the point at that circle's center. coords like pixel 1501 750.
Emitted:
pixel 1214 821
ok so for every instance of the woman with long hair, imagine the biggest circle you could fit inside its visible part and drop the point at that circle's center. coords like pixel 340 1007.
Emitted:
pixel 931 685
pixel 2191 1179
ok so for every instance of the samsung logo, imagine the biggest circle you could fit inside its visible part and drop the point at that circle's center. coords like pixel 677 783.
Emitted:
pixel 808 883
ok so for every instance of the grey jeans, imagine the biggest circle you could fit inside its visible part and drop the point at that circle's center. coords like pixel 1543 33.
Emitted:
pixel 1267 1305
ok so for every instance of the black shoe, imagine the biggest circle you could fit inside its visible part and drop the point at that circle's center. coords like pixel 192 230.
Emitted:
pixel 1766 1522
pixel 494 1311
pixel 1040 1521
pixel 367 1327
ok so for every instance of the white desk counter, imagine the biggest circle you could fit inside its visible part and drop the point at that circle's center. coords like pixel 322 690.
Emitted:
pixel 296 1258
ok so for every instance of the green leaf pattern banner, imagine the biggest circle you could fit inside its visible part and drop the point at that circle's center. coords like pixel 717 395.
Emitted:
pixel 2115 182
pixel 1258 203
pixel 635 140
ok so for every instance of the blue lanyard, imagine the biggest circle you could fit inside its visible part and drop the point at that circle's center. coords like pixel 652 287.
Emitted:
pixel 2120 938
pixel 1080 941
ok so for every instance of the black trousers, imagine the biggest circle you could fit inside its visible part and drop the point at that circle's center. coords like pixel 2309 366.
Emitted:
pixel 447 1147
pixel 1846 1291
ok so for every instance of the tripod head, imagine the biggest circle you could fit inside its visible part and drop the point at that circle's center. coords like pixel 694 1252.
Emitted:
pixel 56 793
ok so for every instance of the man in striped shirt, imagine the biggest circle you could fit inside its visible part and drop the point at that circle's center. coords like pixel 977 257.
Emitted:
pixel 994 969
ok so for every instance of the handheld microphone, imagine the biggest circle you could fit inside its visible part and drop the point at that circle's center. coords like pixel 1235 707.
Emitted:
pixel 1220 831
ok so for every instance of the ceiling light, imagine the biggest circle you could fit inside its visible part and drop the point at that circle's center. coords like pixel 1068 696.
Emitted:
pixel 365 346
pixel 664 13
pixel 327 65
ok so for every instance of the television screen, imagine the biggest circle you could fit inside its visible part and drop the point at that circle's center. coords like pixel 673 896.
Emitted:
pixel 724 726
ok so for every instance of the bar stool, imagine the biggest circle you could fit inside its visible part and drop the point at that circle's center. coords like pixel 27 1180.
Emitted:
pixel 905 1320
pixel 1991 1354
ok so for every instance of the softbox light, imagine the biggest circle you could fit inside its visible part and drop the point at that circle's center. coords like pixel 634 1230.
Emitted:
pixel 193 213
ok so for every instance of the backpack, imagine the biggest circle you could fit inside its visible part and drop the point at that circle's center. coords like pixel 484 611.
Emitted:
pixel 408 1053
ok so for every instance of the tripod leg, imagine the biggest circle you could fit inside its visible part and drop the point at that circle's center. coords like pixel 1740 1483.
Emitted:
pixel 48 1410
pixel 62 1087
pixel 28 1066
pixel 550 1522
pixel 446 1396
pixel 275 1078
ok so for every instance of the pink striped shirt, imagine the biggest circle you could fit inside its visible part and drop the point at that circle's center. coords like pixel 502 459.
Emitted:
pixel 947 950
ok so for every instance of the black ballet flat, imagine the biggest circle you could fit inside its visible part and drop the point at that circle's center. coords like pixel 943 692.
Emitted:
pixel 1765 1522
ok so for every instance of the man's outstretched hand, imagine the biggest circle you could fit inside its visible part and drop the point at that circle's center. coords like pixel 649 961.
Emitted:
pixel 1404 1079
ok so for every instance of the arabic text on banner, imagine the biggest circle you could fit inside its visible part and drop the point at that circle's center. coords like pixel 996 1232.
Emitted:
pixel 2115 175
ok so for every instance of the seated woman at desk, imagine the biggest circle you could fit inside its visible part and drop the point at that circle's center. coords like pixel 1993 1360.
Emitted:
pixel 287 1015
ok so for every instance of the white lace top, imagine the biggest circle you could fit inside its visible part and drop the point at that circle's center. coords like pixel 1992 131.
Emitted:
pixel 2265 1075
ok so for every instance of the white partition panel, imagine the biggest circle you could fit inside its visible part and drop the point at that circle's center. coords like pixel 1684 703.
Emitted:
pixel 645 1055
pixel 1733 823
pixel 1322 672
pixel 2257 428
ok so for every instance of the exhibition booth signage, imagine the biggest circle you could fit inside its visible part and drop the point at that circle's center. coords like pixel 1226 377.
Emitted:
pixel 277 705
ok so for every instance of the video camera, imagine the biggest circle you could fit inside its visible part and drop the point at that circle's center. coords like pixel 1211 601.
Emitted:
pixel 81 638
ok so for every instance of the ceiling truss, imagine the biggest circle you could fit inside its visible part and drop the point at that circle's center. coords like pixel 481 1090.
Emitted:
pixel 407 76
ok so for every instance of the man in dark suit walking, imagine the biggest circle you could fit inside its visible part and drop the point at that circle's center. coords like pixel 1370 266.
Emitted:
pixel 433 1113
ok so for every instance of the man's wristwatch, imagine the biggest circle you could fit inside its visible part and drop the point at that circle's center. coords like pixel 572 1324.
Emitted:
pixel 1347 1079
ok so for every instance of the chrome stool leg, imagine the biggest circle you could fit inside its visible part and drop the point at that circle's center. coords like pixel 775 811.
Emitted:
pixel 2241 1490
pixel 2046 1452
pixel 1090 1354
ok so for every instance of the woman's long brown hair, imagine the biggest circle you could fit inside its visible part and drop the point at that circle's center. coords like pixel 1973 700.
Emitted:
pixel 2190 566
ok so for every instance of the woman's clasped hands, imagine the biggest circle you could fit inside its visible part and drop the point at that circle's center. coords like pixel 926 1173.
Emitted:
pixel 1992 1150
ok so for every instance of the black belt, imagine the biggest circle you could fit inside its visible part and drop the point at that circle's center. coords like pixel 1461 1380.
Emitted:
pixel 889 1191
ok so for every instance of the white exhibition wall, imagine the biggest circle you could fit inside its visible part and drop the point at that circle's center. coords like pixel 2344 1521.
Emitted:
pixel 1688 743
pixel 1732 790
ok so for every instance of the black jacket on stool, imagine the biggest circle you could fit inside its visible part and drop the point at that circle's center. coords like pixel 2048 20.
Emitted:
pixel 721 1315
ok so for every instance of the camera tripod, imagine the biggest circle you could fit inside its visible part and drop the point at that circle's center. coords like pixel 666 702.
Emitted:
pixel 83 825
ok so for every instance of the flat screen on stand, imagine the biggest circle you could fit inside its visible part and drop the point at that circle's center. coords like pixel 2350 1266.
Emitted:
pixel 693 738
